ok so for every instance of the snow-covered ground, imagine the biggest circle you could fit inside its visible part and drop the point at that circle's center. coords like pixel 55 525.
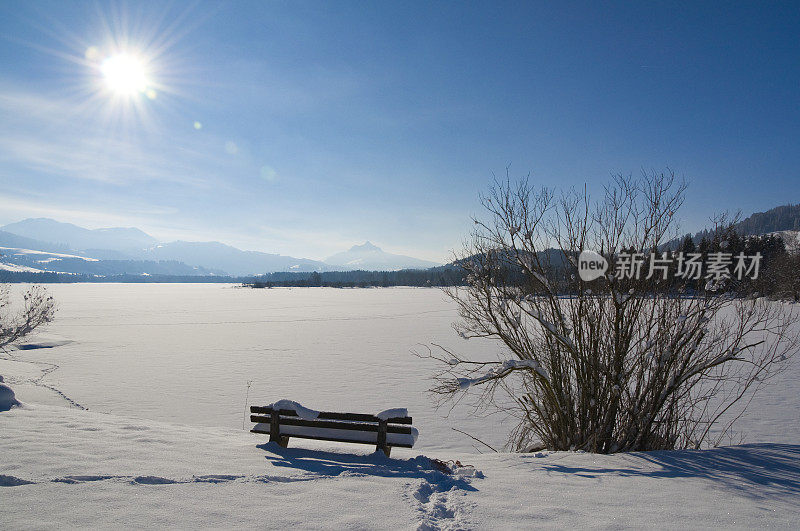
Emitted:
pixel 163 371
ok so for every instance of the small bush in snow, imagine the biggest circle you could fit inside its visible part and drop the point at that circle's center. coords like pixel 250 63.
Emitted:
pixel 37 309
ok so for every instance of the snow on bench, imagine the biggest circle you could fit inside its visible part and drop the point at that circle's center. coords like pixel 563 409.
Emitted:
pixel 284 419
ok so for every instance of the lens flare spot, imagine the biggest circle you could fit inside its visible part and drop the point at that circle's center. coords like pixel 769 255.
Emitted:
pixel 268 173
pixel 92 54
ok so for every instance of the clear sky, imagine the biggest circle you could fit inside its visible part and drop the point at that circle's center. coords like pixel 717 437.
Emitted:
pixel 303 128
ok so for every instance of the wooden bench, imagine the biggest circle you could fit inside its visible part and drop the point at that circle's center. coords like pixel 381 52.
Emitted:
pixel 358 428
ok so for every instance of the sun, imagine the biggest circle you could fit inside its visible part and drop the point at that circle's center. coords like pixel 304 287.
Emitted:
pixel 125 75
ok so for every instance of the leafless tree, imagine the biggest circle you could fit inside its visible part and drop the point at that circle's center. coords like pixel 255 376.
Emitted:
pixel 614 364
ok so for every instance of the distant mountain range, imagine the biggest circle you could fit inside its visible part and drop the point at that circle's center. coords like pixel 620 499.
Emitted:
pixel 216 255
pixel 371 258
pixel 74 237
pixel 44 244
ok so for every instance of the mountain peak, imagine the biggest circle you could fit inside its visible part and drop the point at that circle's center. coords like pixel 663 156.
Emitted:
pixel 366 246
pixel 369 257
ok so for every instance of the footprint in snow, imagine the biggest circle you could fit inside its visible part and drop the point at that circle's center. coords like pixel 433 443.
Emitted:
pixel 216 478
pixel 153 480
pixel 81 479
pixel 439 498
pixel 13 481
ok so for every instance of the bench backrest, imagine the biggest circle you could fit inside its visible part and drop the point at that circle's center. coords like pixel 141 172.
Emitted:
pixel 330 415
pixel 329 420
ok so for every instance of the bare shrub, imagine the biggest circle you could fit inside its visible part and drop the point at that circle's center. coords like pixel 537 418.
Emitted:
pixel 37 309
pixel 615 364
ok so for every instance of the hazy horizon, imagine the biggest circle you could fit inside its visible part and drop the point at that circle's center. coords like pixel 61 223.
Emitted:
pixel 159 241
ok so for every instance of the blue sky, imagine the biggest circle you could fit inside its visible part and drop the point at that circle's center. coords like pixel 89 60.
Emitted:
pixel 322 125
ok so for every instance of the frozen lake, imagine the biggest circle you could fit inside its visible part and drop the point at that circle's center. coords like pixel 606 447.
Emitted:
pixel 184 353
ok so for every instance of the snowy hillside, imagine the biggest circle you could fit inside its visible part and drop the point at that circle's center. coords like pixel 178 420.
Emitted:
pixel 18 268
pixel 31 261
pixel 42 257
pixel 163 371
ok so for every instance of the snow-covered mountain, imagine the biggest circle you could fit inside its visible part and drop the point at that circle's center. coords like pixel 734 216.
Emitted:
pixel 132 251
pixel 371 258
pixel 78 238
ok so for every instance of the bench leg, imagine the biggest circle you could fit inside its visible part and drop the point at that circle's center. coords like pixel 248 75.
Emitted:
pixel 282 440
pixel 275 431
pixel 385 449
pixel 382 428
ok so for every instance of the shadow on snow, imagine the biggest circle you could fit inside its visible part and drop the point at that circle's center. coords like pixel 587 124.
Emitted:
pixel 323 463
pixel 739 468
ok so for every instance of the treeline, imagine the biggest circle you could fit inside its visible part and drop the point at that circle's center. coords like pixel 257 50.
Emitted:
pixel 435 277
pixel 776 275
pixel 779 270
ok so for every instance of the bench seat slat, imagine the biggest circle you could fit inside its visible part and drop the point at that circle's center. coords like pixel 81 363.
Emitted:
pixel 326 434
pixel 332 415
pixel 294 421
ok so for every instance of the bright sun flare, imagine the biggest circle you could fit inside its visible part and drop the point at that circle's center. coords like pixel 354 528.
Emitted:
pixel 124 74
